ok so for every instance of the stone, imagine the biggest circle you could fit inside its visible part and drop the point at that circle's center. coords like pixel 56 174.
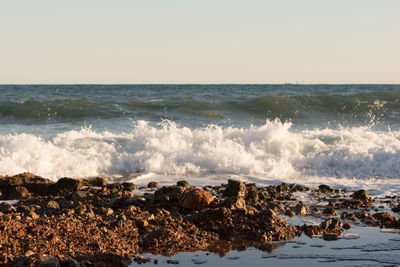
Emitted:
pixel 301 209
pixel 169 193
pixel 68 185
pixel 331 225
pixel 325 189
pixel 361 195
pixel 29 253
pixel 235 189
pixel 96 181
pixel 196 199
pixel 329 211
pixel 78 195
pixel 52 205
pixel 183 183
pixel 48 261
pixel 129 186
pixel 69 263
pixel 152 185
pixel 235 203
pixel 6 208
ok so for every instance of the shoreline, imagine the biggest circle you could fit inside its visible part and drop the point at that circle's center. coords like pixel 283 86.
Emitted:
pixel 77 221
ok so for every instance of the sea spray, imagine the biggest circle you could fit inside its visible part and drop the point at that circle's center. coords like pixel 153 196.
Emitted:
pixel 272 150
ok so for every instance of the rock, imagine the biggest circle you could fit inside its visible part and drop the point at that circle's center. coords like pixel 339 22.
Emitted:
pixel 329 211
pixel 129 186
pixel 290 213
pixel 361 195
pixel 78 195
pixel 33 215
pixel 347 226
pixel 48 261
pixel 6 208
pixel 196 199
pixel 235 203
pixel 52 205
pixel 96 181
pixel 168 193
pixel 331 225
pixel 235 189
pixel 19 192
pixel 384 218
pixel 301 209
pixel 29 253
pixel 325 189
pixel 67 185
pixel 396 208
pixel 183 183
pixel 349 216
pixel 69 263
pixel 152 185
pixel 282 188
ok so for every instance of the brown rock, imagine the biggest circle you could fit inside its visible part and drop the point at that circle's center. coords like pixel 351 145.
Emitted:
pixel 196 199
pixel 152 185
pixel 183 183
pixel 329 211
pixel 235 203
pixel 361 195
pixel 301 209
pixel 235 189
pixel 52 205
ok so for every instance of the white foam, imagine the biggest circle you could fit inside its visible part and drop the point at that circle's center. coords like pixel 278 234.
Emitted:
pixel 355 156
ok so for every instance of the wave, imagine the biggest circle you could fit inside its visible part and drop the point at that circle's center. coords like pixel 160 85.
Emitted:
pixel 270 150
pixel 285 107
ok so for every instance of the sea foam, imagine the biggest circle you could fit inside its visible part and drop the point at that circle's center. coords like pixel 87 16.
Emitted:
pixel 273 150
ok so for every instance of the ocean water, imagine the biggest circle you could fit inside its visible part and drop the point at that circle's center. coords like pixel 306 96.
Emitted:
pixel 341 135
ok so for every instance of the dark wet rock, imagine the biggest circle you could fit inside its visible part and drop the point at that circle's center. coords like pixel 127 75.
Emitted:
pixel 329 211
pixel 347 226
pixel 235 189
pixel 330 237
pixel 129 186
pixel 349 204
pixel 48 261
pixel 252 197
pixel 273 205
pixel 65 185
pixel 361 195
pixel 195 199
pixel 6 207
pixel 168 193
pixel 290 212
pixel 311 230
pixel 95 181
pixel 386 219
pixel 183 183
pixel 79 195
pixel 349 216
pixel 396 208
pixel 282 188
pixel 332 226
pixel 69 263
pixel 325 189
pixel 301 209
pixel 152 185
pixel 235 203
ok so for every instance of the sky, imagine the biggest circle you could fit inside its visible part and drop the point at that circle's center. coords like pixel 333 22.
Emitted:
pixel 193 41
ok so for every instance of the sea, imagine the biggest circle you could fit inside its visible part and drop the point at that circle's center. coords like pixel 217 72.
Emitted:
pixel 346 136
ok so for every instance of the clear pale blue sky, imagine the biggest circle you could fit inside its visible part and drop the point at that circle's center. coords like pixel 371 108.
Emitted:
pixel 202 41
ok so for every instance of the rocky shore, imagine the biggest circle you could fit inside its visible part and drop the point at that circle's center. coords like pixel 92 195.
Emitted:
pixel 90 222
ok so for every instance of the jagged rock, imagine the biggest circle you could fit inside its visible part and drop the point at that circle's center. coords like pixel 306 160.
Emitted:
pixel 52 205
pixel 282 188
pixel 329 211
pixel 183 183
pixel 332 225
pixel 67 185
pixel 349 216
pixel 361 195
pixel 196 199
pixel 385 218
pixel 152 185
pixel 95 181
pixel 301 209
pixel 129 186
pixel 69 263
pixel 169 193
pixel 235 203
pixel 325 189
pixel 235 189
pixel 6 208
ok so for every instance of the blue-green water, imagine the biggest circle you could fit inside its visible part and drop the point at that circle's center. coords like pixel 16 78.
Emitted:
pixel 332 133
